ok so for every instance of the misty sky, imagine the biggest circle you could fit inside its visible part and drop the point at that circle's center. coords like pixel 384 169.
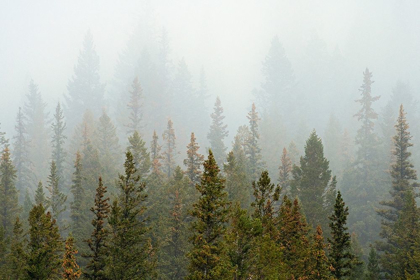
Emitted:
pixel 41 40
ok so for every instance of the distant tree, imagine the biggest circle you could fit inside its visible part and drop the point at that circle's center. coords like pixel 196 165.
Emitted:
pixel 44 247
pixel 252 150
pixel 141 156
pixel 193 161
pixel 97 243
pixel 83 133
pixel 155 154
pixel 71 269
pixel 332 139
pixel 218 133
pixel 17 256
pixel 26 207
pixel 237 182
pixel 56 200
pixel 134 106
pixel 169 151
pixel 3 139
pixel 293 153
pixel 207 256
pixel 9 205
pixel 373 270
pixel 92 168
pixel 58 140
pixel 85 90
pixel 40 195
pixel 285 171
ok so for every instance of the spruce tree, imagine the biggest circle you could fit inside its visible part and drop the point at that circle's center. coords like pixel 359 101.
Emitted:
pixel 373 271
pixel 9 206
pixel 3 140
pixel 155 154
pixel 293 153
pixel 71 269
pixel 130 252
pixel 141 156
pixel 83 133
pixel 134 107
pixel 56 200
pixel 92 168
pixel 253 150
pixel 207 257
pixel 97 243
pixel 44 247
pixel 27 206
pixel 311 180
pixel 58 128
pixel 40 195
pixel 237 182
pixel 17 256
pixel 169 151
pixel 193 161
pixel 218 133
pixel 285 171
pixel 341 257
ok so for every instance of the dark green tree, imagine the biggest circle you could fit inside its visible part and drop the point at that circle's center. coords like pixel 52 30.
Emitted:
pixel 193 161
pixel 17 256
pixel 58 128
pixel 40 195
pixel 56 200
pixel 141 156
pixel 218 133
pixel 373 270
pixel 207 257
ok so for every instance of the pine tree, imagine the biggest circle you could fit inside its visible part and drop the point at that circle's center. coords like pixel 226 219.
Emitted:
pixel 373 266
pixel 134 106
pixel 341 257
pixel 58 128
pixel 170 149
pixel 9 206
pixel 92 169
pixel 85 90
pixel 130 252
pixel 207 257
pixel 311 180
pixel 155 154
pixel 56 200
pixel 237 182
pixel 95 269
pixel 17 256
pixel 71 269
pixel 27 206
pixel 285 170
pixel 141 156
pixel 319 263
pixel 40 195
pixel 253 150
pixel 218 133
pixel 44 247
pixel 193 161
pixel 21 161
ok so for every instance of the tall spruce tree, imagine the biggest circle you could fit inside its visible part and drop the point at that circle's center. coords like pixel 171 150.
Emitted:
pixel 207 257
pixel 9 205
pixel 237 182
pixel 312 180
pixel 97 243
pixel 141 156
pixel 130 251
pixel 155 154
pixel 58 128
pixel 253 151
pixel 17 256
pixel 56 200
pixel 44 247
pixel 169 152
pixel 134 106
pixel 218 133
pixel 193 161
pixel 40 195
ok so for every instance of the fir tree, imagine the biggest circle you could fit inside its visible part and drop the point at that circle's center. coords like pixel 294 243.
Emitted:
pixel 155 154
pixel 207 257
pixel 141 156
pixel 130 251
pixel 40 195
pixel 3 253
pixel 285 171
pixel 83 133
pixel 169 149
pixel 95 269
pixel 9 206
pixel 237 183
pixel 293 153
pixel 341 257
pixel 58 140
pixel 56 200
pixel 27 206
pixel 373 271
pixel 44 247
pixel 193 161
pixel 17 256
pixel 3 140
pixel 253 150
pixel 134 107
pixel 218 133
pixel 92 168
pixel 71 269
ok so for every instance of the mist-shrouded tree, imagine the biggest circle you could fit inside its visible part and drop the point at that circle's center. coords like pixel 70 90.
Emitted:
pixel 193 161
pixel 97 243
pixel 135 107
pixel 252 148
pixel 58 128
pixel 207 255
pixel 218 132
pixel 57 199
pixel 169 151
pixel 130 251
pixel 85 90
pixel 44 247
pixel 311 182
pixel 293 153
pixel 71 269
pixel 285 171
pixel 21 160
pixel 9 205
pixel 155 154
pixel 16 260
pixel 40 195
pixel 373 271
pixel 3 139
pixel 332 137
pixel 27 206
pixel 83 133
pixel 137 147
pixel 92 168
pixel 237 183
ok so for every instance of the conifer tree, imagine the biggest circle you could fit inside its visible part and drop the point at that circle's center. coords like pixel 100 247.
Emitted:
pixel 58 140
pixel 207 257
pixel 56 200
pixel 311 180
pixel 9 206
pixel 237 183
pixel 134 106
pixel 27 206
pixel 44 247
pixel 218 133
pixel 130 252
pixel 332 142
pixel 71 269
pixel 40 195
pixel 341 256
pixel 285 171
pixel 169 149
pixel 21 161
pixel 3 140
pixel 141 156
pixel 320 267
pixel 17 256
pixel 3 253
pixel 253 150
pixel 97 243
pixel 83 133
pixel 193 161
pixel 293 153
pixel 92 168
pixel 155 154
pixel 373 271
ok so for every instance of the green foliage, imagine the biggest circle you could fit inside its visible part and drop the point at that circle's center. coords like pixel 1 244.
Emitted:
pixel 193 161
pixel 252 150
pixel 56 200
pixel 58 128
pixel 141 156
pixel 40 195
pixel 17 256
pixel 373 271
pixel 169 152
pixel 237 182
pixel 134 106
pixel 218 133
